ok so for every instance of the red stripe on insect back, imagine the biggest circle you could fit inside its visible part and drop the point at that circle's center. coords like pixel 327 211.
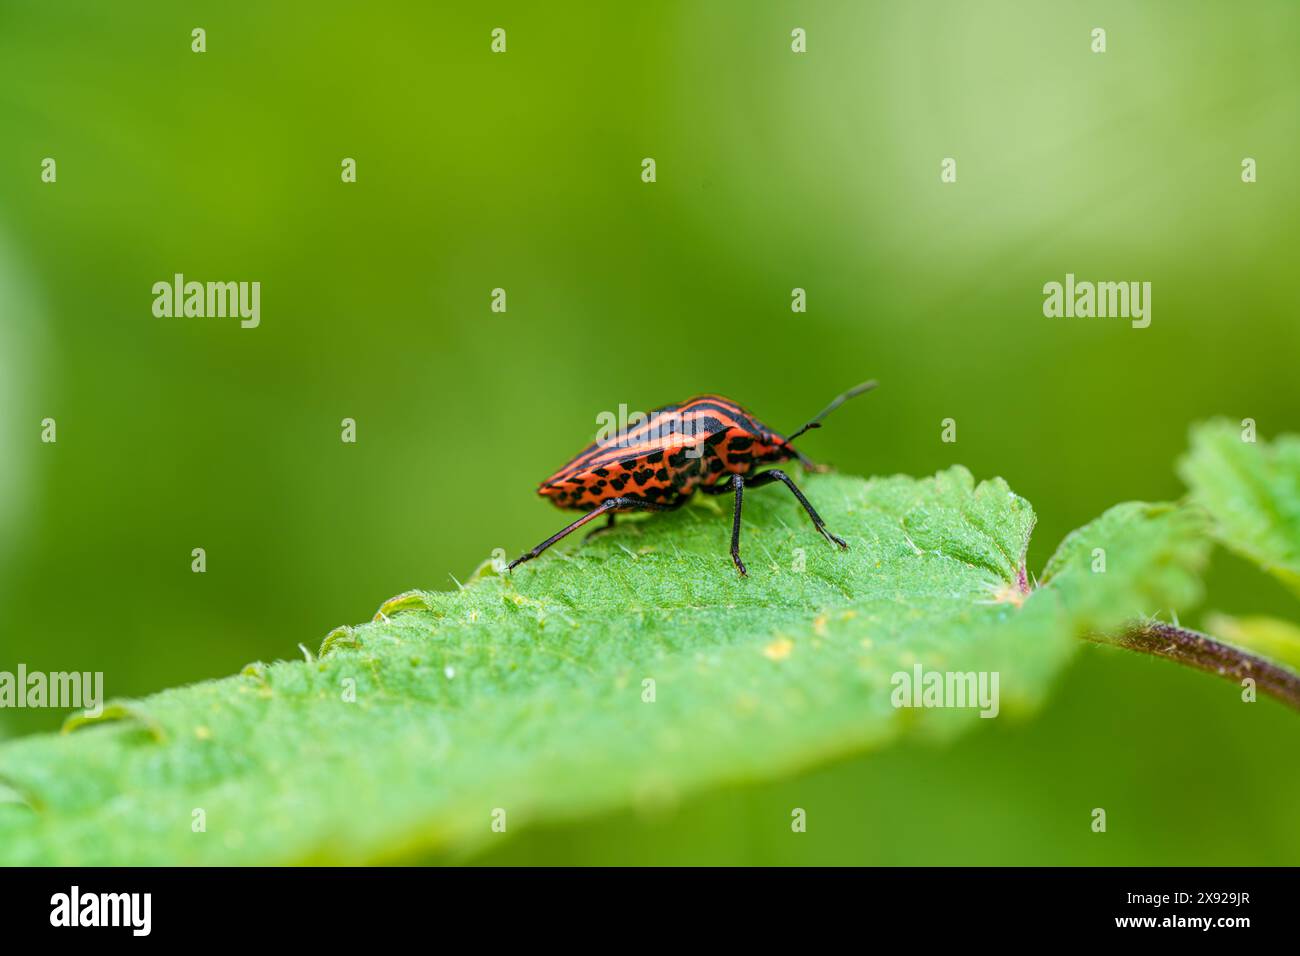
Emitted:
pixel 671 427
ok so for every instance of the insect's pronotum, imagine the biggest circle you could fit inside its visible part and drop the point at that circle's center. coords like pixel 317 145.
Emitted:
pixel 708 443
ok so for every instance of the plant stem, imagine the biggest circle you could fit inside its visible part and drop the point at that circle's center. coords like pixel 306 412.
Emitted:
pixel 1205 653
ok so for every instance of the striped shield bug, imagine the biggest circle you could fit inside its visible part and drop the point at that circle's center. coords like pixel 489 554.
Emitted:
pixel 709 444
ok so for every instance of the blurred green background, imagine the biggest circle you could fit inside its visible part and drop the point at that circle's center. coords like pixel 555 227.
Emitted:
pixel 523 171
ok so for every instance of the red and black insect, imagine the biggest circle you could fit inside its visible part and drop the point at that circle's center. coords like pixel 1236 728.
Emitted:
pixel 708 443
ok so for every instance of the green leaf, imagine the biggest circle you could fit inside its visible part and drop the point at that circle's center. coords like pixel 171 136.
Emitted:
pixel 1252 490
pixel 1269 637
pixel 528 694
pixel 1144 550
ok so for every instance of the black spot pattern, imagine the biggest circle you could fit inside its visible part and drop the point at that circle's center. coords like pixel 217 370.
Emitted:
pixel 709 440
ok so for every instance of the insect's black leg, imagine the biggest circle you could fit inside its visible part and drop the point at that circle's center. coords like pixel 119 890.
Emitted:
pixel 640 504
pixel 603 528
pixel 613 504
pixel 737 482
pixel 775 474
pixel 603 508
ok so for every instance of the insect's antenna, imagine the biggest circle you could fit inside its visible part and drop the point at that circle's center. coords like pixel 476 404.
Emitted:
pixel 816 421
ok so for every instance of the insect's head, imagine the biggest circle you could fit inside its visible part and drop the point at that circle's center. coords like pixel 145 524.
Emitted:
pixel 816 422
